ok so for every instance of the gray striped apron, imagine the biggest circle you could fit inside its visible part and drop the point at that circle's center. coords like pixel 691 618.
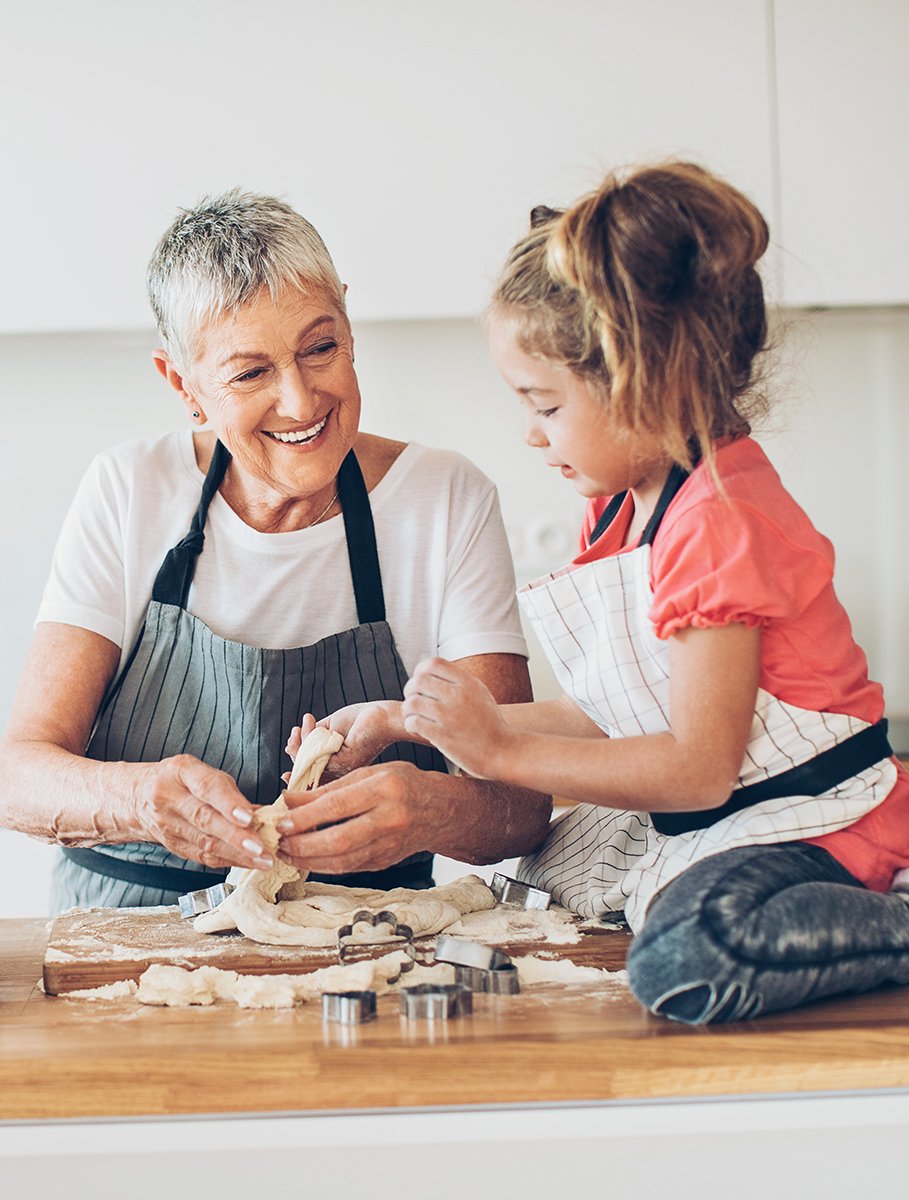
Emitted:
pixel 184 690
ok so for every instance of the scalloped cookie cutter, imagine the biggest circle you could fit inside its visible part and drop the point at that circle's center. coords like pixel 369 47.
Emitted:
pixel 401 939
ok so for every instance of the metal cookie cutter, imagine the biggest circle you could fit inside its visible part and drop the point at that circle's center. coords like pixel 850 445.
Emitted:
pixel 193 904
pixel 520 895
pixel 436 1001
pixel 349 1008
pixel 481 968
pixel 401 939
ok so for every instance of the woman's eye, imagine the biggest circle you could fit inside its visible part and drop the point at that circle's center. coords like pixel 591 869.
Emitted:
pixel 251 375
pixel 323 348
pixel 546 412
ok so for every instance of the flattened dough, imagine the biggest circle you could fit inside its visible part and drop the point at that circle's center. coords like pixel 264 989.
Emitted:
pixel 279 908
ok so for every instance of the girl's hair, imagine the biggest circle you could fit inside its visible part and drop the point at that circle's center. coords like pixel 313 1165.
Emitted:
pixel 647 288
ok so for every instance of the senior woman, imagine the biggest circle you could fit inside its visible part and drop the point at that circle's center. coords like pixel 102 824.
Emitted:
pixel 212 586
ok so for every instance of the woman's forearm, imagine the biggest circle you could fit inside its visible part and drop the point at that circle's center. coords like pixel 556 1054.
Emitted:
pixel 484 821
pixel 57 796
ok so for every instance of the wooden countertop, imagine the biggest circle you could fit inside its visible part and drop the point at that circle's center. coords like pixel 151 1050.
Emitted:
pixel 62 1058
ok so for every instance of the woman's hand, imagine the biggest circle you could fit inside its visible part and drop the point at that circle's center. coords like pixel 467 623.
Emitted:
pixel 367 730
pixel 451 709
pixel 370 819
pixel 197 812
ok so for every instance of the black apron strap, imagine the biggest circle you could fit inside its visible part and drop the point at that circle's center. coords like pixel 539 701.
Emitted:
pixel 674 481
pixel 821 773
pixel 416 875
pixel 607 516
pixel 168 879
pixel 362 551
pixel 173 580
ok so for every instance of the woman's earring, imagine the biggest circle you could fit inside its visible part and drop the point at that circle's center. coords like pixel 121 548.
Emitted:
pixel 195 415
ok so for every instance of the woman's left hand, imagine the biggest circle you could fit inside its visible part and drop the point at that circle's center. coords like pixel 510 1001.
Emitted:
pixel 451 709
pixel 370 819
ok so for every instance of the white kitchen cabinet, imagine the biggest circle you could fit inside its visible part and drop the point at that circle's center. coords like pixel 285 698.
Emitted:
pixel 843 100
pixel 416 136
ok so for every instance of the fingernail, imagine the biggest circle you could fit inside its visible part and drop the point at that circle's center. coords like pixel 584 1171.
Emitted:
pixel 253 846
pixel 243 815
pixel 264 864
pixel 285 826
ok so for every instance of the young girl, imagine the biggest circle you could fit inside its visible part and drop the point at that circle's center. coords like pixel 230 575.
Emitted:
pixel 738 797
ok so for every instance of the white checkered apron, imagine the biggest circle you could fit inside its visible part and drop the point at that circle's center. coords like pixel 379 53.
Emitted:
pixel 593 625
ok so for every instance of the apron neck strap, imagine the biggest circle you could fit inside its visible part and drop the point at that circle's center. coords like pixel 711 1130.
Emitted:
pixel 175 576
pixel 674 481
pixel 173 580
pixel 362 552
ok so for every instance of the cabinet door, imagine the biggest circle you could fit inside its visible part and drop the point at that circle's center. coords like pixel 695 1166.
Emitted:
pixel 843 89
pixel 416 136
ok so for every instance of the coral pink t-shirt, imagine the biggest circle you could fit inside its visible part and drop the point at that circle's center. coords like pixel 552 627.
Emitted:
pixel 754 557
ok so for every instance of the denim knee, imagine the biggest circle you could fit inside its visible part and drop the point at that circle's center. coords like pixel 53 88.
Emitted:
pixel 675 974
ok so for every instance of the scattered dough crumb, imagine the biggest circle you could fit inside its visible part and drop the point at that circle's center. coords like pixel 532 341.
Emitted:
pixel 108 991
pixel 533 969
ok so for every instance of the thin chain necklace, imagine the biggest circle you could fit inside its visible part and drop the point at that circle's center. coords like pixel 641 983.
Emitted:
pixel 322 513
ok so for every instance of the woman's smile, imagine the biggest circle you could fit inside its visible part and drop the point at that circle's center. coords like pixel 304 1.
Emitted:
pixel 297 437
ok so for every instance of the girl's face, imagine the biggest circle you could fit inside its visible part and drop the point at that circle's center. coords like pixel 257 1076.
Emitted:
pixel 568 420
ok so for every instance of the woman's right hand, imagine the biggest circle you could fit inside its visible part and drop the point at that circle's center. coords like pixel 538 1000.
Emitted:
pixel 197 812
pixel 367 730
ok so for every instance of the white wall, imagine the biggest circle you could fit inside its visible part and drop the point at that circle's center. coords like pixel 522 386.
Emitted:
pixel 839 438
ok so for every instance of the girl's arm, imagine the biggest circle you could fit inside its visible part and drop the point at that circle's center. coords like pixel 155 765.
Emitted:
pixel 370 727
pixel 713 681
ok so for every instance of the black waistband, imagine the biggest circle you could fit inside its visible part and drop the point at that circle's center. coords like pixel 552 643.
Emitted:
pixel 416 874
pixel 821 773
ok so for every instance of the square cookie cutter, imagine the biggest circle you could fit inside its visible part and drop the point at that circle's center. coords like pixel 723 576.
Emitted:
pixel 203 900
pixel 519 895
pixel 478 967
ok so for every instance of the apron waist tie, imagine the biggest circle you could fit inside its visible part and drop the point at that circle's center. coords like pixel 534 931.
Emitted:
pixel 416 874
pixel 812 778
pixel 168 879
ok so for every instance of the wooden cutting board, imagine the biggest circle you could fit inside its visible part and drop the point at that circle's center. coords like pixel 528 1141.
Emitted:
pixel 88 948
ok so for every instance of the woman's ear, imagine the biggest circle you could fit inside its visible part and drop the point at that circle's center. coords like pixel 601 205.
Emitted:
pixel 174 377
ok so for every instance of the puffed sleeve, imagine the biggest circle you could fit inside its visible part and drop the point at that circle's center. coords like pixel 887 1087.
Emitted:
pixel 725 561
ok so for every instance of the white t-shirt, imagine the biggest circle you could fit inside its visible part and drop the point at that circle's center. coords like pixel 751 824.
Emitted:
pixel 446 568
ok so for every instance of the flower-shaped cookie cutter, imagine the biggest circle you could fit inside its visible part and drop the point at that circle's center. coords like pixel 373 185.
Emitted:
pixel 401 939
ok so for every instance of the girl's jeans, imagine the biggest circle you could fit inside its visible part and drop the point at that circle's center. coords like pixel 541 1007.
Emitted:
pixel 764 928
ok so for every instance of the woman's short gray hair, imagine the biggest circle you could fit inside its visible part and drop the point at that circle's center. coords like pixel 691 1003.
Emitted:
pixel 220 254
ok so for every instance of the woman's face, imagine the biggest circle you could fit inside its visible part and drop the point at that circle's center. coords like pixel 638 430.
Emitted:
pixel 276 383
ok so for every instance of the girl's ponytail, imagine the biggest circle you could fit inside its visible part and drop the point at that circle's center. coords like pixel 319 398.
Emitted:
pixel 658 266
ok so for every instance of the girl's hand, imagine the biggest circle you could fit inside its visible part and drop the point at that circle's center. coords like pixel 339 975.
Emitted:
pixel 197 812
pixel 367 730
pixel 451 709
